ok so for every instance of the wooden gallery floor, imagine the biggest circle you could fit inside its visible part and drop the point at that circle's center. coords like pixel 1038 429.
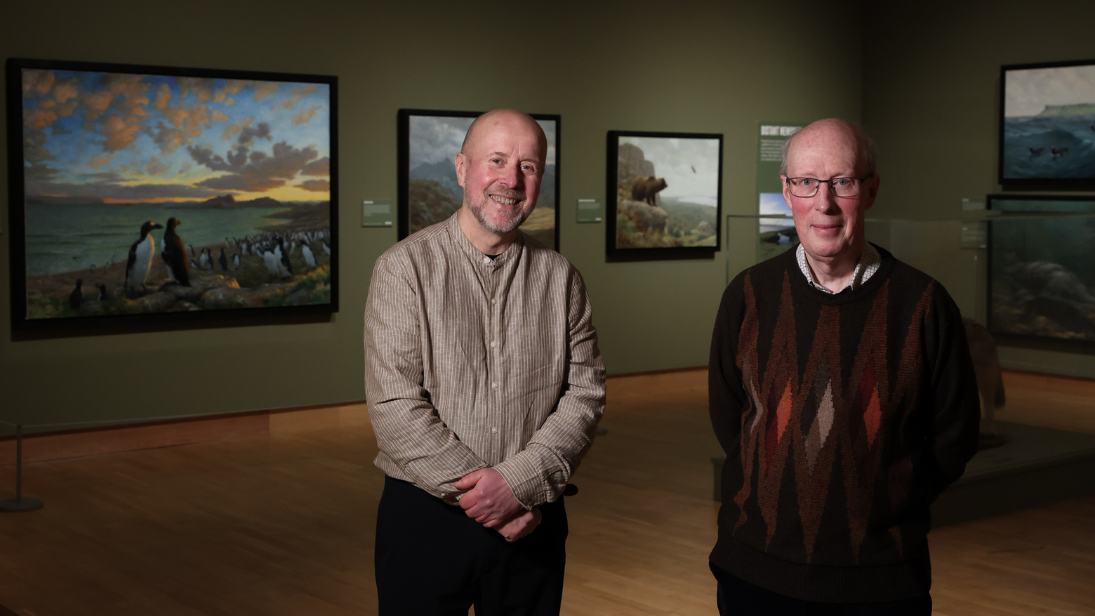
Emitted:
pixel 283 523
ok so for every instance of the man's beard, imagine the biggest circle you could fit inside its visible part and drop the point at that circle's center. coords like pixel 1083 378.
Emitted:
pixel 513 220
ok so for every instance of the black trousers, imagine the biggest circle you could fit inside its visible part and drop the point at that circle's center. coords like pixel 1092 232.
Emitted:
pixel 736 597
pixel 432 559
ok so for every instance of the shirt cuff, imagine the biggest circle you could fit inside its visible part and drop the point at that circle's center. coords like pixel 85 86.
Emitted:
pixel 525 480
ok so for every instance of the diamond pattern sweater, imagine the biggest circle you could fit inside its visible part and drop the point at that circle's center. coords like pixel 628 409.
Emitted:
pixel 842 417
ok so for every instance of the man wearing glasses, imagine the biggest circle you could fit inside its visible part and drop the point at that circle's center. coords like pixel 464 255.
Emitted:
pixel 842 390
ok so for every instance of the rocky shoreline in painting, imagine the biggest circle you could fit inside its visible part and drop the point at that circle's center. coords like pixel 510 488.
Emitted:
pixel 237 273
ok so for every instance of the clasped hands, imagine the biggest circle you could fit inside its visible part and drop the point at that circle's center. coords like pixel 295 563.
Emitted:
pixel 487 499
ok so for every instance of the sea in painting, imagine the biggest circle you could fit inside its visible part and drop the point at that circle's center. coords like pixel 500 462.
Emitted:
pixel 149 193
pixel 434 193
pixel 1041 271
pixel 1050 146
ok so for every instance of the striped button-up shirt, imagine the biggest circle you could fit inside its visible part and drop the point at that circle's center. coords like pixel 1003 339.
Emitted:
pixel 473 362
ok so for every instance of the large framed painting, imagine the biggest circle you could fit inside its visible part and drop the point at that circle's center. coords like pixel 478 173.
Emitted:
pixel 664 195
pixel 152 194
pixel 1047 125
pixel 428 190
pixel 1041 277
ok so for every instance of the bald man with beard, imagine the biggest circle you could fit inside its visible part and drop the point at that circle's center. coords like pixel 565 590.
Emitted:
pixel 842 390
pixel 485 384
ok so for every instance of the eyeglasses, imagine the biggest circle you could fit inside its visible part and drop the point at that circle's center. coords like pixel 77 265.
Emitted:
pixel 841 187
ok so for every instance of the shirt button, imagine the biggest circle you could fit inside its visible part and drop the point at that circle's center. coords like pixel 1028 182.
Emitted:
pixel 493 344
pixel 494 430
pixel 494 385
pixel 492 302
pixel 486 260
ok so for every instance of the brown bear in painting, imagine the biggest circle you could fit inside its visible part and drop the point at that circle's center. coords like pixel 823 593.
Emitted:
pixel 646 188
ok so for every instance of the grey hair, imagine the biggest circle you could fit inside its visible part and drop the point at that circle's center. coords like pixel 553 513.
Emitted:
pixel 867 153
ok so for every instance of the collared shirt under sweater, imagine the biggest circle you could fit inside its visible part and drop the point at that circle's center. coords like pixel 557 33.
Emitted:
pixel 474 362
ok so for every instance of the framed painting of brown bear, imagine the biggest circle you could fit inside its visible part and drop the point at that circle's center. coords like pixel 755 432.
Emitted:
pixel 428 190
pixel 666 189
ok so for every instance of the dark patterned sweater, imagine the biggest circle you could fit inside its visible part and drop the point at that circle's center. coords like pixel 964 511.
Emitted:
pixel 842 417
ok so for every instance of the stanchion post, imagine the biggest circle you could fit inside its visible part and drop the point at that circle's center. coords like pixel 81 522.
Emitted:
pixel 20 504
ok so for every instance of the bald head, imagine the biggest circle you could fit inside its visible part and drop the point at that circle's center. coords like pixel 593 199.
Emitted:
pixel 840 130
pixel 501 119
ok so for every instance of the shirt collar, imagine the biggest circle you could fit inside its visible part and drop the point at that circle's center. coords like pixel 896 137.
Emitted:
pixel 473 253
pixel 867 265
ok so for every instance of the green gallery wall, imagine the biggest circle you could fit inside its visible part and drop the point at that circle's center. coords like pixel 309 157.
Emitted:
pixel 656 66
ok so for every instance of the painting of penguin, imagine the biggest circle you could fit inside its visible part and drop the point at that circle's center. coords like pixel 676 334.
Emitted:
pixel 236 261
pixel 77 296
pixel 285 269
pixel 204 260
pixel 223 260
pixel 140 259
pixel 271 261
pixel 309 258
pixel 102 292
pixel 174 254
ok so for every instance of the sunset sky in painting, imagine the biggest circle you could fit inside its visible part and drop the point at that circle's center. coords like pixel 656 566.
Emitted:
pixel 124 138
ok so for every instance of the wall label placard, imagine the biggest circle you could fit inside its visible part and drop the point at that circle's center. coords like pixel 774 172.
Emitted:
pixel 591 210
pixel 377 212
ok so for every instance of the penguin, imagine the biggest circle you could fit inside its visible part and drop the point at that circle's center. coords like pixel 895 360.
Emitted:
pixel 271 261
pixel 326 248
pixel 77 296
pixel 102 292
pixel 192 253
pixel 203 260
pixel 174 254
pixel 140 259
pixel 223 261
pixel 236 261
pixel 285 269
pixel 309 258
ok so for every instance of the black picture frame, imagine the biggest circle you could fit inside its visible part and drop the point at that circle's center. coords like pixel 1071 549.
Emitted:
pixel 95 150
pixel 1040 277
pixel 1047 125
pixel 428 155
pixel 646 222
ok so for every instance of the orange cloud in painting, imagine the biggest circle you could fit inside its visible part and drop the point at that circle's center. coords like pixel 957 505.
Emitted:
pixel 156 166
pixel 37 81
pixel 304 115
pixel 201 88
pixel 163 97
pixel 264 89
pixel 295 95
pixel 97 162
pixel 232 86
pixel 119 133
pixel 39 118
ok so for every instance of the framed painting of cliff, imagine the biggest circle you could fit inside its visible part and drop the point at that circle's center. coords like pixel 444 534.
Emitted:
pixel 664 195
pixel 1041 278
pixel 152 194
pixel 1047 125
pixel 428 190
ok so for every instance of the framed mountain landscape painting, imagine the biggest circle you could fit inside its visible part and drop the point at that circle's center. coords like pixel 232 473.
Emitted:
pixel 428 189
pixel 154 194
